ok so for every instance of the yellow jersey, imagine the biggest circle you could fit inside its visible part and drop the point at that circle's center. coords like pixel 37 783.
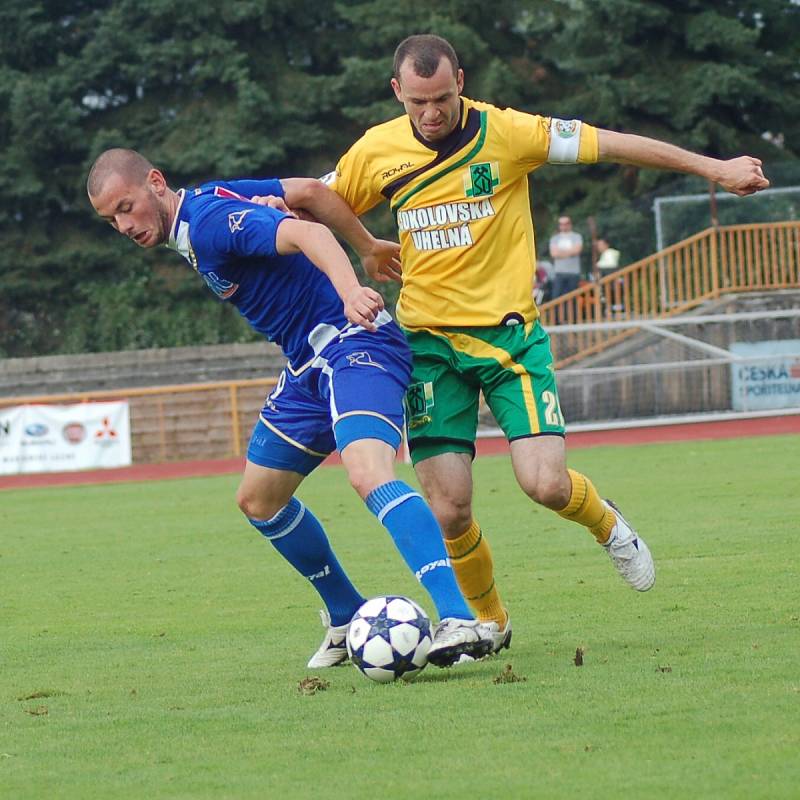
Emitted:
pixel 462 208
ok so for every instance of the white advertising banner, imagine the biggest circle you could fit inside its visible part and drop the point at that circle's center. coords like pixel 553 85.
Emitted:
pixel 42 438
pixel 767 376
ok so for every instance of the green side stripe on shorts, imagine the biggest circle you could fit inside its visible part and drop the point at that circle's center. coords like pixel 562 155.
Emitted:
pixel 478 348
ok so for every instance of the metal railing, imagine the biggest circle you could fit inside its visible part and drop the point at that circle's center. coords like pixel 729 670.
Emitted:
pixel 733 258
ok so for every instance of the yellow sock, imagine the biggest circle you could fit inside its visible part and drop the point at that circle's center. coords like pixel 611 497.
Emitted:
pixel 586 508
pixel 472 563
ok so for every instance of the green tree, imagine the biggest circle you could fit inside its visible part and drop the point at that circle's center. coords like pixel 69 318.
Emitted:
pixel 201 90
pixel 282 87
pixel 709 75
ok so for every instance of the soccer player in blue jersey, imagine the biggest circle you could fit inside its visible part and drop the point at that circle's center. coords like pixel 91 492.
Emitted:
pixel 342 389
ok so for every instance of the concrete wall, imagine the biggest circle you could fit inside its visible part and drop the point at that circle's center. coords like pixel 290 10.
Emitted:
pixel 200 424
pixel 134 368
pixel 688 390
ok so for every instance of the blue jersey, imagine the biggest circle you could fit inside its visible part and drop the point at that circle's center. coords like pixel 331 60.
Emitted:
pixel 231 243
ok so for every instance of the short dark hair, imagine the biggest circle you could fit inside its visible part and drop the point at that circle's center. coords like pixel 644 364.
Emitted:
pixel 119 161
pixel 426 51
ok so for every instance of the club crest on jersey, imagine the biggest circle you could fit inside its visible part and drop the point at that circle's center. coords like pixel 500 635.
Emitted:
pixel 363 359
pixel 236 219
pixel 480 179
pixel 222 288
pixel 566 128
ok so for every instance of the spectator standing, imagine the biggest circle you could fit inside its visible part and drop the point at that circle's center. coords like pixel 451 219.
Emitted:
pixel 565 250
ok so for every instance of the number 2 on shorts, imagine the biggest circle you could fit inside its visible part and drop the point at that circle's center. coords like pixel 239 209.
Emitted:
pixel 552 412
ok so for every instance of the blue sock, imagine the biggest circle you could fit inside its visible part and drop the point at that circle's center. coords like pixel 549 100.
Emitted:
pixel 418 537
pixel 298 536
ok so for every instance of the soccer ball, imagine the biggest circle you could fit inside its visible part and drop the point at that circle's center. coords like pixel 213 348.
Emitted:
pixel 389 638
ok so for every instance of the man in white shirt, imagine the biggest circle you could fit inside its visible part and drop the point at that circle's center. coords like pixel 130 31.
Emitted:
pixel 565 250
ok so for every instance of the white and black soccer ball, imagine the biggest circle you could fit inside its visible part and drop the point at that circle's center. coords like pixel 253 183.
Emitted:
pixel 389 638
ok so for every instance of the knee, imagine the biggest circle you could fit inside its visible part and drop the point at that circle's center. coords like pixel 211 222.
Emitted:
pixel 257 506
pixel 453 513
pixel 364 479
pixel 549 489
pixel 369 464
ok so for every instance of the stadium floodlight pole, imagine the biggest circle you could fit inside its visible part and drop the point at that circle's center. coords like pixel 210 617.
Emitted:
pixel 662 278
pixel 712 200
pixel 592 223
pixel 659 223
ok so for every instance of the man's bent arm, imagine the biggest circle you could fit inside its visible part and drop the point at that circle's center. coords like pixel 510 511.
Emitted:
pixel 740 175
pixel 317 243
pixel 330 209
pixel 381 259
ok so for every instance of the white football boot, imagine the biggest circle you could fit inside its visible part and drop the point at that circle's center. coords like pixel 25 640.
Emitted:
pixel 630 554
pixel 501 637
pixel 454 638
pixel 333 649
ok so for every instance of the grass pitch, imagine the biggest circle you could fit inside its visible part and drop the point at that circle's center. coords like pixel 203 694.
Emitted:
pixel 154 646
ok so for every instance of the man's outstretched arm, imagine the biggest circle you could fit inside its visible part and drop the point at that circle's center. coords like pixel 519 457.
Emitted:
pixel 740 175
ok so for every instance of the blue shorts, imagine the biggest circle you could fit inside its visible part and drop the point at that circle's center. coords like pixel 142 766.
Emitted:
pixel 352 390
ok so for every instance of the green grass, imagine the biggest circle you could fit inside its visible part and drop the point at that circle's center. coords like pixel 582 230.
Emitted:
pixel 152 645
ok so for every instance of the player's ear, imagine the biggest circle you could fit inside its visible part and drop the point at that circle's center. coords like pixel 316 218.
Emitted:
pixel 156 182
pixel 460 80
pixel 398 92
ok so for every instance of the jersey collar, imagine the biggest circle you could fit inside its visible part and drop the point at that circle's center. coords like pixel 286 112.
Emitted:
pixel 453 136
pixel 172 243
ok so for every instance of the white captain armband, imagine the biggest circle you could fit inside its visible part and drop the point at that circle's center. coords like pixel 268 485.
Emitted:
pixel 329 178
pixel 565 141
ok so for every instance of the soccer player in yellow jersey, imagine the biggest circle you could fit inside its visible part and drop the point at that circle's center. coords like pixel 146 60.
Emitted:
pixel 455 173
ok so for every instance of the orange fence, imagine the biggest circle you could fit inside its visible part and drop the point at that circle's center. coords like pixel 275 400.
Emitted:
pixel 734 258
pixel 214 420
pixel 184 421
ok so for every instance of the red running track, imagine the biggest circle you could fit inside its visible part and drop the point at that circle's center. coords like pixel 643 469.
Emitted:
pixel 692 431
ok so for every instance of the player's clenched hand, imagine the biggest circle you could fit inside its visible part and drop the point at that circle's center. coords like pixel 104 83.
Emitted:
pixel 272 201
pixel 382 262
pixel 362 305
pixel 742 176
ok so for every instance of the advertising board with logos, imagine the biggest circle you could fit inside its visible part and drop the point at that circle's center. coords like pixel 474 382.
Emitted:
pixel 45 438
pixel 766 376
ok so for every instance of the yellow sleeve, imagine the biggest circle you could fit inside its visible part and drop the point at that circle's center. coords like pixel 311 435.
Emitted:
pixel 352 180
pixel 537 140
pixel 528 138
pixel 590 149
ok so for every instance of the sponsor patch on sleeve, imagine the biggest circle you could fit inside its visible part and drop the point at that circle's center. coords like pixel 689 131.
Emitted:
pixel 565 141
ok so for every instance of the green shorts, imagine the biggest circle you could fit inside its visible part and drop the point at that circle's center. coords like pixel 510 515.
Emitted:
pixel 512 366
